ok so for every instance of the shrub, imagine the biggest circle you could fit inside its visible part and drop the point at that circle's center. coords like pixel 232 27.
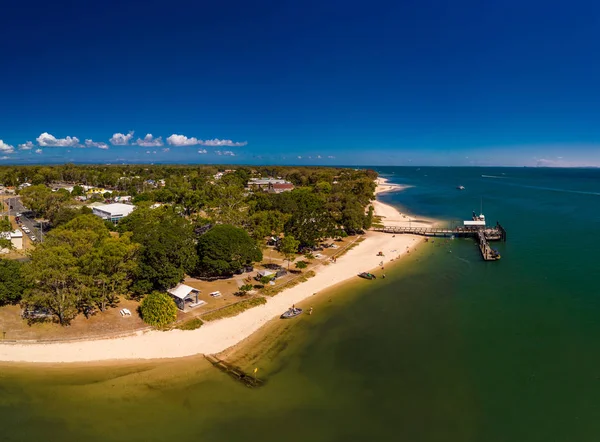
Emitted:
pixel 192 324
pixel 265 280
pixel 301 265
pixel 246 287
pixel 158 309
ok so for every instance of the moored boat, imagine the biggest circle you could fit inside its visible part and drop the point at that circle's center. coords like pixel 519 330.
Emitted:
pixel 367 275
pixel 460 187
pixel 291 313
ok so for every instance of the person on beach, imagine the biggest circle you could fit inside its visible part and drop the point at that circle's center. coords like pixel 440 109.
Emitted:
pixel 310 311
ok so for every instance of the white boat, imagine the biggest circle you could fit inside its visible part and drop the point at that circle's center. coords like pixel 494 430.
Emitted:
pixel 460 187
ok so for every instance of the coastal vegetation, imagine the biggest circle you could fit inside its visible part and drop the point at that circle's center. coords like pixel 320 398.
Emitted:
pixel 200 221
pixel 12 284
pixel 158 309
pixel 234 309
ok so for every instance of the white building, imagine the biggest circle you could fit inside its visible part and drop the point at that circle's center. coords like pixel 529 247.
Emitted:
pixel 113 212
pixel 16 239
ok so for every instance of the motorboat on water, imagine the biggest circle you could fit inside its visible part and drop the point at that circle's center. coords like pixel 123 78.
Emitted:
pixel 460 187
pixel 367 275
pixel 291 313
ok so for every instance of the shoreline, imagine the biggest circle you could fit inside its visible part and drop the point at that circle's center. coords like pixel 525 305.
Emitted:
pixel 221 335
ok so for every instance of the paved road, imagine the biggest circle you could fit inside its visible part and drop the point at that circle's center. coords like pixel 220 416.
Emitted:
pixel 18 207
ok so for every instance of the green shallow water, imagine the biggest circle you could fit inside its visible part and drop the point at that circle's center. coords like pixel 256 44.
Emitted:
pixel 447 348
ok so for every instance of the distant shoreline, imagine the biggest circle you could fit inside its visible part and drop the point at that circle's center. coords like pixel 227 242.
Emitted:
pixel 216 337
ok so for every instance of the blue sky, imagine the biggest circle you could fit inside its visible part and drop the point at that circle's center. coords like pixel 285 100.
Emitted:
pixel 311 82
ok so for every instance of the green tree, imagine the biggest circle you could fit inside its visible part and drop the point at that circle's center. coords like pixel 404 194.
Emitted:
pixel 301 265
pixel 225 249
pixel 369 218
pixel 42 200
pixel 110 268
pixel 353 217
pixel 12 283
pixel 56 284
pixel 158 309
pixel 78 191
pixel 168 249
pixel 289 247
pixel 310 221
pixel 5 227
pixel 265 223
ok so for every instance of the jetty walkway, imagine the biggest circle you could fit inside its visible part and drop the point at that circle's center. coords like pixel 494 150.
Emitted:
pixel 483 235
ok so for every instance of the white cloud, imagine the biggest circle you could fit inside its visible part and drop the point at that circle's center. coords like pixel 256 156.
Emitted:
pixel 299 157
pixel 331 157
pixel 216 142
pixel 202 151
pixel 38 151
pixel 225 152
pixel 49 140
pixel 119 139
pixel 165 149
pixel 149 141
pixel 182 140
pixel 6 148
pixel 26 146
pixel 4 158
pixel 98 144
pixel 319 157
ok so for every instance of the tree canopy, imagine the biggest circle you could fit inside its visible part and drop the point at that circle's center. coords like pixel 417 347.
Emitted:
pixel 12 283
pixel 78 267
pixel 224 249
pixel 168 249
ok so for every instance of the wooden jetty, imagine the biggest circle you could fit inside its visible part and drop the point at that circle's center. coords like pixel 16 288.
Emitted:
pixel 483 235
pixel 235 372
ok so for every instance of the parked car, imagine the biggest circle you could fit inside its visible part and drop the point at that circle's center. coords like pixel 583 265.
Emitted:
pixel 33 238
pixel 19 214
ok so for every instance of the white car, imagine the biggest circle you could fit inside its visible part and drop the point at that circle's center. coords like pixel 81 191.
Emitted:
pixel 33 238
pixel 26 229
pixel 19 215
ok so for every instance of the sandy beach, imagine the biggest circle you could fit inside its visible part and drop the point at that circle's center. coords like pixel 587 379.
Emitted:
pixel 217 336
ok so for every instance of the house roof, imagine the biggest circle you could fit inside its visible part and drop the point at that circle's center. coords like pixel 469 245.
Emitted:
pixel 182 291
pixel 8 235
pixel 116 209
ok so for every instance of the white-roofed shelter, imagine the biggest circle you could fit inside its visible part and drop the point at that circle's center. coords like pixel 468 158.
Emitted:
pixel 182 293
pixel 113 212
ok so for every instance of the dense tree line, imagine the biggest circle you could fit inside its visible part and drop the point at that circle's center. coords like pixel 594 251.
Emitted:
pixel 206 226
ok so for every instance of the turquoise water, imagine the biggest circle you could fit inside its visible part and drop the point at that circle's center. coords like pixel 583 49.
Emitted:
pixel 447 348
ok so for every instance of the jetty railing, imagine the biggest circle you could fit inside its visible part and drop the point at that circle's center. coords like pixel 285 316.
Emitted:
pixel 483 235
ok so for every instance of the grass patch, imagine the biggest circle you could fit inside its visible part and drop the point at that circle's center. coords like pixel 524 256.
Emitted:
pixel 234 309
pixel 192 324
pixel 273 290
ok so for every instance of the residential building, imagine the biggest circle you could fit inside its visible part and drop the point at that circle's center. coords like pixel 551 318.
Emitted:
pixel 272 185
pixel 16 239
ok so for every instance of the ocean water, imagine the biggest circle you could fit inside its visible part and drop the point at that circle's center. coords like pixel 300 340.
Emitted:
pixel 446 348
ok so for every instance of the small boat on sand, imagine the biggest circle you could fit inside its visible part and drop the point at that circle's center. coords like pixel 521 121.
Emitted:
pixel 291 313
pixel 367 275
